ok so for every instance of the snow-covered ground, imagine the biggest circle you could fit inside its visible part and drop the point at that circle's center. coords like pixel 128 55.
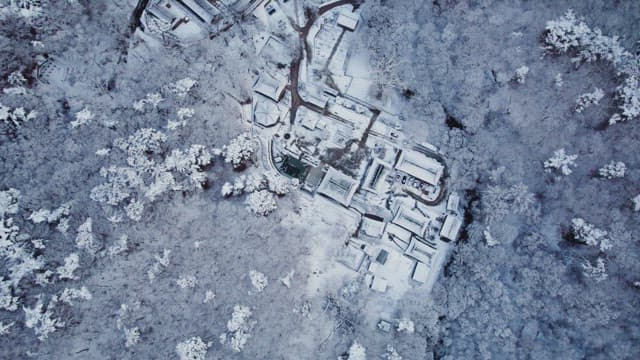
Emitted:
pixel 157 263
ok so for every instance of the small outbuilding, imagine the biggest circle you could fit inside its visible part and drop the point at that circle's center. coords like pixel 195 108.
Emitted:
pixel 348 20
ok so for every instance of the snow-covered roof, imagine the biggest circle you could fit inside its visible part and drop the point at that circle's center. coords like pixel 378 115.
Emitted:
pixel 420 166
pixel 202 9
pixel 266 112
pixel 371 226
pixel 351 256
pixel 420 251
pixel 270 86
pixel 165 11
pixel 411 220
pixel 349 115
pixel 379 284
pixel 375 175
pixel 338 186
pixel 348 20
pixel 420 272
pixel 307 118
pixel 401 234
pixel 451 228
pixel 453 203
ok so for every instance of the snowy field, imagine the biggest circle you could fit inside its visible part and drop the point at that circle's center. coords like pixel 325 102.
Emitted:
pixel 139 217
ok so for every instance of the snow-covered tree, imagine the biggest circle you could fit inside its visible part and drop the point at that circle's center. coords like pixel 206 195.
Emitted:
pixel 71 264
pixel 16 116
pixel 628 98
pixel 589 234
pixel 636 203
pixel 160 264
pixel 122 245
pixel 280 184
pixel 190 163
pixel 85 239
pixel 391 354
pixel 238 328
pixel 9 200
pixel 120 183
pixel 521 74
pixel 82 117
pixel 134 210
pixel 140 144
pixel 258 280
pixel 4 328
pixel 558 82
pixel 69 294
pixel 357 352
pixel 209 296
pixel 41 320
pixel 59 216
pixel 187 282
pixel 588 99
pixel 286 280
pixel 261 202
pixel 227 189
pixel 240 150
pixel 8 301
pixel 193 349
pixel 499 201
pixel 597 273
pixel 131 336
pixel 183 86
pixel 613 170
pixel 569 33
pixel 565 33
pixel 406 325
pixel 561 161
pixel 254 182
pixel 153 99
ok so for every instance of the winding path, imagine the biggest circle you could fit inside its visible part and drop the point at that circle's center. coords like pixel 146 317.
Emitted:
pixel 296 99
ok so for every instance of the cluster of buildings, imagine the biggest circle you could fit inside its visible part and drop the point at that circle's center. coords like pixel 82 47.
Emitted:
pixel 186 20
pixel 352 153
pixel 317 124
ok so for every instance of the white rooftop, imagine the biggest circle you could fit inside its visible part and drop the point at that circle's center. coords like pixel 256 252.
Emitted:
pixel 270 86
pixel 348 20
pixel 420 273
pixel 266 112
pixel 451 228
pixel 338 186
pixel 379 284
pixel 372 227
pixel 411 220
pixel 420 251
pixel 420 166
pixel 453 203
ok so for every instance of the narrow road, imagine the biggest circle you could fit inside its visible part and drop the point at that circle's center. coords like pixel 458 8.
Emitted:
pixel 296 100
